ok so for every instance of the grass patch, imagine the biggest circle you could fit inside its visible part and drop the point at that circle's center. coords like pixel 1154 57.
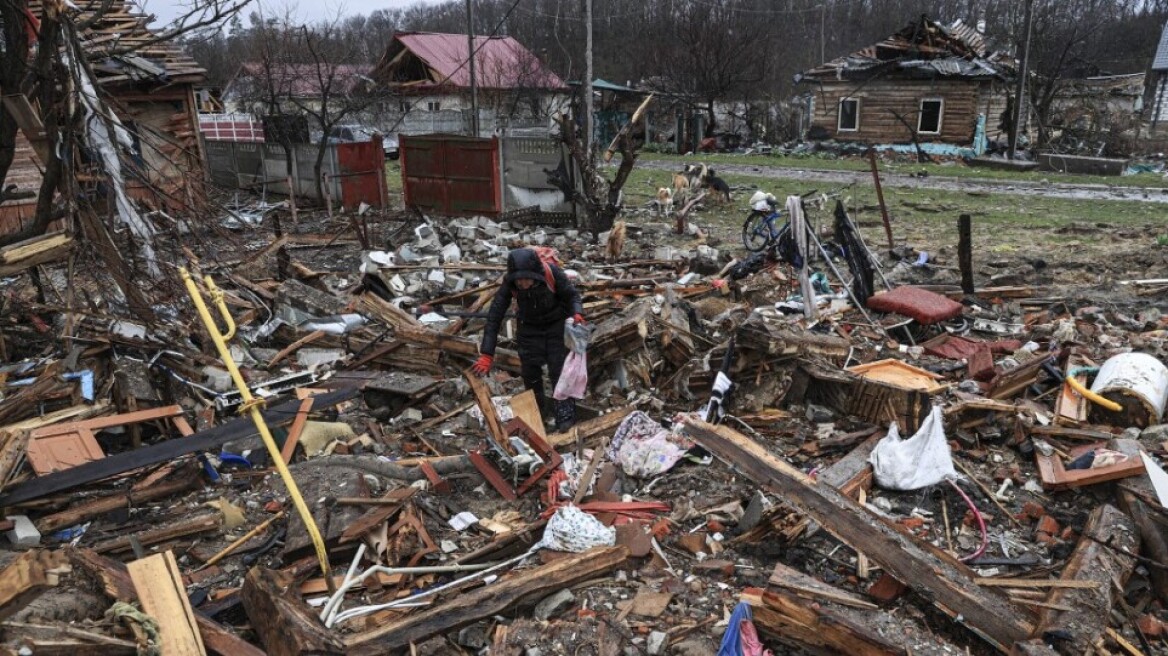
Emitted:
pixel 951 170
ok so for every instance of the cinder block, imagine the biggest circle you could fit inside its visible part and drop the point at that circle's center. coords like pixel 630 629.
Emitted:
pixel 23 534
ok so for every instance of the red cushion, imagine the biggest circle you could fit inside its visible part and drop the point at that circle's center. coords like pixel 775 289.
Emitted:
pixel 922 305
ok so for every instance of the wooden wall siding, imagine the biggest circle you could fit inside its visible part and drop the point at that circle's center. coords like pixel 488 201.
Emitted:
pixel 879 99
pixel 994 101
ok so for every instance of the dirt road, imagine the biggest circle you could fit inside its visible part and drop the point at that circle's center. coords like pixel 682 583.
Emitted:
pixel 838 178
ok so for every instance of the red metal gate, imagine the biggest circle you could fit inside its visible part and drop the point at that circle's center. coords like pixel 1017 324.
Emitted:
pixel 452 175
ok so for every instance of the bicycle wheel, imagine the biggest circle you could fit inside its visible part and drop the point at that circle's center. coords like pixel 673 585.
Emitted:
pixel 756 232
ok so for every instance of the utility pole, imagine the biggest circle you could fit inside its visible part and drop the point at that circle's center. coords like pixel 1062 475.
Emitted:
pixel 474 90
pixel 1023 72
pixel 587 87
pixel 822 32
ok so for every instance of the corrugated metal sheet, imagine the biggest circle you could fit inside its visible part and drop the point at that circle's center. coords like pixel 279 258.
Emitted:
pixel 451 175
pixel 500 62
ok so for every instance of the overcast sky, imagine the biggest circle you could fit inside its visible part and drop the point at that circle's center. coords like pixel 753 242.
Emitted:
pixel 306 10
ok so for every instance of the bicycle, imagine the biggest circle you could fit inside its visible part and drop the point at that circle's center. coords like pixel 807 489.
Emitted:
pixel 759 230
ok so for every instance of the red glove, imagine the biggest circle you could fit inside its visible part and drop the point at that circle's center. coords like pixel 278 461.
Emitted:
pixel 483 364
pixel 579 319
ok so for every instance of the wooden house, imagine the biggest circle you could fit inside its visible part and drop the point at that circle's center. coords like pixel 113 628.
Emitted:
pixel 929 83
pixel 150 83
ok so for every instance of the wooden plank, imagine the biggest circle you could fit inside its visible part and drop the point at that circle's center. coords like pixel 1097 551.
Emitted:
pixel 853 472
pixel 1092 562
pixel 801 585
pixel 297 428
pixel 525 408
pixel 208 440
pixel 199 524
pixel 179 483
pixel 25 577
pixel 163 597
pixel 590 429
pixel 1035 583
pixel 467 608
pixel 100 423
pixel 943 579
pixel 482 396
pixel 285 624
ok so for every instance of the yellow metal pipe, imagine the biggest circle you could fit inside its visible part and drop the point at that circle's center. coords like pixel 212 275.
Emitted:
pixel 217 296
pixel 252 407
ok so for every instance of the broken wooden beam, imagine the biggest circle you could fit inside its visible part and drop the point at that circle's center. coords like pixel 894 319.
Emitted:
pixel 26 576
pixel 590 429
pixel 198 524
pixel 504 358
pixel 1099 559
pixel 285 624
pixel 800 623
pixel 940 577
pixel 470 607
pixel 163 596
pixel 208 440
pixel 33 252
pixel 179 482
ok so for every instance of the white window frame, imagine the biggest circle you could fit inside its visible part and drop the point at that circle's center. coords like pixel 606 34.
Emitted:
pixel 839 119
pixel 940 115
pixel 433 105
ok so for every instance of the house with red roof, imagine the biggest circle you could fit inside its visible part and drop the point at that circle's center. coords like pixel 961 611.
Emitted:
pixel 430 73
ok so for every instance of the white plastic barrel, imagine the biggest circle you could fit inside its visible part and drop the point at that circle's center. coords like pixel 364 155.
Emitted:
pixel 1137 375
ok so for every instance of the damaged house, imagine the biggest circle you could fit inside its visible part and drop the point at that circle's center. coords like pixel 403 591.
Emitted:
pixel 928 83
pixel 150 83
pixel 428 72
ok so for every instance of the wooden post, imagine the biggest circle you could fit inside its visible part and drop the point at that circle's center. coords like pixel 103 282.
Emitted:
pixel 292 201
pixel 880 196
pixel 965 252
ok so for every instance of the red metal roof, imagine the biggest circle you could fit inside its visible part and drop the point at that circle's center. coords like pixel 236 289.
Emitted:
pixel 501 62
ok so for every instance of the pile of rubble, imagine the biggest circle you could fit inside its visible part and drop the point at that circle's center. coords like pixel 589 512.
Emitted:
pixel 727 484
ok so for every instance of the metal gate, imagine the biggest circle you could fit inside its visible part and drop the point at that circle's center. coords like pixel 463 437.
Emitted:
pixel 451 175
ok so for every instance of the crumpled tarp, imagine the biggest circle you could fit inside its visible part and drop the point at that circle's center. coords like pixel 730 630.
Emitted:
pixel 572 529
pixel 643 448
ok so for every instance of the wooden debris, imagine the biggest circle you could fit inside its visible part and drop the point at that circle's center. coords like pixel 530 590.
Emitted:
pixel 179 482
pixel 285 624
pixel 24 578
pixel 1095 563
pixel 818 626
pixel 947 582
pixel 163 596
pixel 162 452
pixel 1055 476
pixel 199 524
pixel 466 608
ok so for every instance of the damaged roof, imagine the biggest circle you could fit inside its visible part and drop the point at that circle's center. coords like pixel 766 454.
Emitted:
pixel 923 49
pixel 501 62
pixel 1160 62
pixel 124 49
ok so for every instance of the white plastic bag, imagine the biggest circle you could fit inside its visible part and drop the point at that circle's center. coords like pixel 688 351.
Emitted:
pixel 573 380
pixel 920 461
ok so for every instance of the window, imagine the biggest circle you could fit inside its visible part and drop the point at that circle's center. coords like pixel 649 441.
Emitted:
pixel 433 106
pixel 930 118
pixel 849 115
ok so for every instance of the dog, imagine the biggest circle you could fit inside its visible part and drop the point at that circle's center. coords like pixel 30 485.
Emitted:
pixel 664 201
pixel 718 186
pixel 690 179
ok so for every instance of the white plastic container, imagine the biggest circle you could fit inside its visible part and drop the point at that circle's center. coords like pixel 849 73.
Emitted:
pixel 1135 376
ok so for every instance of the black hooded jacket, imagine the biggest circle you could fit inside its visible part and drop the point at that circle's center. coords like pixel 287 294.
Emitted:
pixel 538 307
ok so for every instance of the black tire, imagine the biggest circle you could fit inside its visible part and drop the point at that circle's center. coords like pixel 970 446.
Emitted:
pixel 756 233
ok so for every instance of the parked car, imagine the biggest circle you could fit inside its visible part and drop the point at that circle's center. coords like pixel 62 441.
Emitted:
pixel 360 133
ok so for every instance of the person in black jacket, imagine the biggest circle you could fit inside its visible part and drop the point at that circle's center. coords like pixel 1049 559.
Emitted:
pixel 544 300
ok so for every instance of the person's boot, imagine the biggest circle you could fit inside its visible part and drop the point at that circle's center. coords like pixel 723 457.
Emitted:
pixel 565 413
